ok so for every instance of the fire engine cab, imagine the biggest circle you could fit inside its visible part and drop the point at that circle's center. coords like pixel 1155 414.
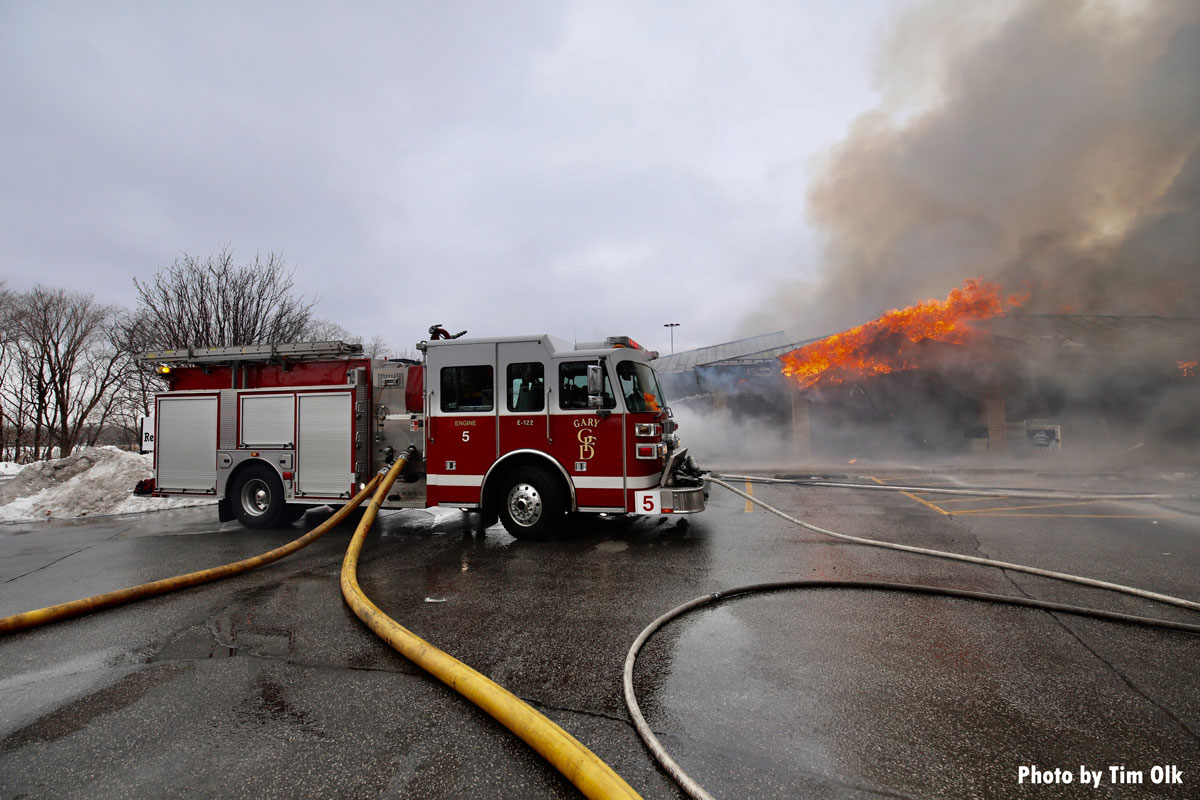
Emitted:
pixel 525 428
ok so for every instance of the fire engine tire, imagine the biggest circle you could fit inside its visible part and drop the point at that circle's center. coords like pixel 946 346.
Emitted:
pixel 532 504
pixel 256 496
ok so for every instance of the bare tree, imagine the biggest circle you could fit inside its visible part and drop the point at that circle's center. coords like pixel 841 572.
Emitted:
pixel 213 302
pixel 9 425
pixel 142 381
pixel 377 347
pixel 25 393
pixel 324 330
pixel 71 361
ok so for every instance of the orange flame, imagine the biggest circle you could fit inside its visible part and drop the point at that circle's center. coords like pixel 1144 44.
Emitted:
pixel 1188 368
pixel 883 345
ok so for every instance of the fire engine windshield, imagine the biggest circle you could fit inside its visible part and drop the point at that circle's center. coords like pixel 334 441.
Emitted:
pixel 640 387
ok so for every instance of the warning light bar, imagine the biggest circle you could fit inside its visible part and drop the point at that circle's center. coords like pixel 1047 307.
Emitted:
pixel 616 342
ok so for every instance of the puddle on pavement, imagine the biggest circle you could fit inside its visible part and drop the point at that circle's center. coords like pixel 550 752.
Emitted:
pixel 707 667
pixel 226 636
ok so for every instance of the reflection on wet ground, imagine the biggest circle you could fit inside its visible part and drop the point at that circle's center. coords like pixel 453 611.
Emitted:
pixel 832 693
pixel 824 693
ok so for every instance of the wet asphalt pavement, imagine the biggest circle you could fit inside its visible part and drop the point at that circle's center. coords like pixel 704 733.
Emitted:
pixel 266 685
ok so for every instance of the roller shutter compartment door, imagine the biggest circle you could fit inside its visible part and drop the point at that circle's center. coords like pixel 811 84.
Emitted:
pixel 187 444
pixel 268 420
pixel 324 451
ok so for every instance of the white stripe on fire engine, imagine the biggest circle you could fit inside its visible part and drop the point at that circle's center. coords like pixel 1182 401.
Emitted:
pixel 643 482
pixel 455 480
pixel 580 481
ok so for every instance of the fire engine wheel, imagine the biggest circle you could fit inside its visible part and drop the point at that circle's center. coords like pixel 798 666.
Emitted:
pixel 257 497
pixel 533 505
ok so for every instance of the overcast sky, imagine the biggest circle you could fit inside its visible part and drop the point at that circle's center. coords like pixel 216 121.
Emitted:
pixel 576 168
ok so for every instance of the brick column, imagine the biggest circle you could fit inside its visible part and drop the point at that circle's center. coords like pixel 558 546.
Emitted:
pixel 994 417
pixel 801 426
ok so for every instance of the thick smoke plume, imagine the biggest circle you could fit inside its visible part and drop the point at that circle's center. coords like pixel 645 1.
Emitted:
pixel 1057 152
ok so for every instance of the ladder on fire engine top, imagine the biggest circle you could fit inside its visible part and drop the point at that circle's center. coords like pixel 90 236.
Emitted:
pixel 297 351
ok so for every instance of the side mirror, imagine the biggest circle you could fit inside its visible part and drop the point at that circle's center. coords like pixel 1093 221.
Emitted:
pixel 595 386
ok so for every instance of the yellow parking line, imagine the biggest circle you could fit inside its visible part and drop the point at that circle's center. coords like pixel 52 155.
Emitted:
pixel 925 503
pixel 749 491
pixel 1019 511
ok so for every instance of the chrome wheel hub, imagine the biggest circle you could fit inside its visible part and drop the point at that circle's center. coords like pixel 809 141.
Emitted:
pixel 524 505
pixel 256 497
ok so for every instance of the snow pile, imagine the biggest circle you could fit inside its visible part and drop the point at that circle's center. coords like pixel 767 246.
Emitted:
pixel 96 481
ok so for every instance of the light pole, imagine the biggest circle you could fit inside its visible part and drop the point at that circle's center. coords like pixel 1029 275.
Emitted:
pixel 672 326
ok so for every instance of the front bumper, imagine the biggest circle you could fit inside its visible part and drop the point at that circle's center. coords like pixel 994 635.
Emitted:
pixel 682 489
pixel 669 500
pixel 688 500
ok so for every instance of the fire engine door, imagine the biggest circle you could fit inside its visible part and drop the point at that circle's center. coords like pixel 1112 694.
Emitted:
pixel 522 371
pixel 587 441
pixel 462 422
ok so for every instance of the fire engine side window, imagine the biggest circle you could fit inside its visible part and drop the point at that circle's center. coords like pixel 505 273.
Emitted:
pixel 572 382
pixel 526 386
pixel 467 388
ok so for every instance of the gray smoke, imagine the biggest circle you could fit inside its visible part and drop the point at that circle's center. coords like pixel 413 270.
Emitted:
pixel 1061 158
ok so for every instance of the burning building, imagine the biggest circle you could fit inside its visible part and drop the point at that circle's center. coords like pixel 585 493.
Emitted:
pixel 970 373
pixel 1054 150
pixel 742 376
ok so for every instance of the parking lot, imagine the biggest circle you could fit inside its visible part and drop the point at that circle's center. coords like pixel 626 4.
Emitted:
pixel 267 685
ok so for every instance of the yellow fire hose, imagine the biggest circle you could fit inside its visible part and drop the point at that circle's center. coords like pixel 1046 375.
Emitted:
pixel 578 764
pixel 86 605
pixel 589 774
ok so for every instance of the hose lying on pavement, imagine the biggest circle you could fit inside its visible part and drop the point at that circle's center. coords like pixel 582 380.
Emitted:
pixel 1045 573
pixel 695 790
pixel 86 605
pixel 1018 493
pixel 579 765
pixel 689 784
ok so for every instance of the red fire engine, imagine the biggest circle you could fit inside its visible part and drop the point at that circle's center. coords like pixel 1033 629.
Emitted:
pixel 526 428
